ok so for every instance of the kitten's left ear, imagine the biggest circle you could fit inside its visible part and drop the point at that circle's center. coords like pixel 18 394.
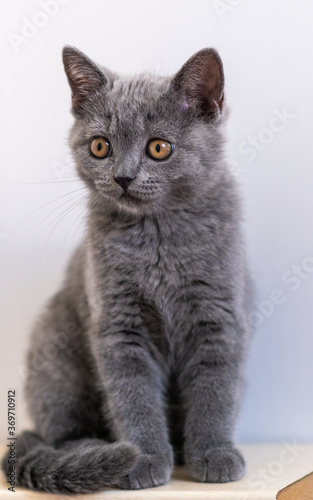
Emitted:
pixel 84 76
pixel 200 83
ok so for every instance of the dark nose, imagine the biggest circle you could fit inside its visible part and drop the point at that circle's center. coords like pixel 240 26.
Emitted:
pixel 124 181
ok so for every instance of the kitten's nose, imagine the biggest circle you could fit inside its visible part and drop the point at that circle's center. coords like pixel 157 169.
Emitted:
pixel 124 181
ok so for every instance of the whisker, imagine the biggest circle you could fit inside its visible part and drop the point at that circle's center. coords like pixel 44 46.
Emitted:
pixel 52 211
pixel 60 217
pixel 44 205
pixel 86 216
pixel 81 197
pixel 48 181
pixel 79 218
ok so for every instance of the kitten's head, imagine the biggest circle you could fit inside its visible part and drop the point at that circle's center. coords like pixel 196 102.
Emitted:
pixel 147 143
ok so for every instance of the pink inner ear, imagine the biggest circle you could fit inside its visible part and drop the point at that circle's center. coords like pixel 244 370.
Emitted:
pixel 200 83
pixel 184 106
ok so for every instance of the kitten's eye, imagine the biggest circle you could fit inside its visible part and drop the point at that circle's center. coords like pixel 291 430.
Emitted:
pixel 159 149
pixel 100 147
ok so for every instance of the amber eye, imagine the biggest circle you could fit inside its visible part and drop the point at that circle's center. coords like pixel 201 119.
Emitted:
pixel 159 149
pixel 100 147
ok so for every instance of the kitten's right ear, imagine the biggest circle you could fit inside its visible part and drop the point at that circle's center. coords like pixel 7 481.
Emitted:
pixel 200 83
pixel 84 76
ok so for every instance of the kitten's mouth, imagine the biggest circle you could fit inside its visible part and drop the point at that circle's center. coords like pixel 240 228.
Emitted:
pixel 127 196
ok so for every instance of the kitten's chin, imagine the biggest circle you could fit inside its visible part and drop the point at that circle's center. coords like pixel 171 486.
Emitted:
pixel 133 204
pixel 130 203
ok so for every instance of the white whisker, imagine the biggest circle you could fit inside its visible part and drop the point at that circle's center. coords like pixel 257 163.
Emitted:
pixel 59 218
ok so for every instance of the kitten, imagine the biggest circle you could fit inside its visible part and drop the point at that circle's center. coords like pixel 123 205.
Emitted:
pixel 137 361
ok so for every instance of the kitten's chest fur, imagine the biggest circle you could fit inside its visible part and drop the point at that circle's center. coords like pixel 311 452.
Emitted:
pixel 154 257
pixel 157 255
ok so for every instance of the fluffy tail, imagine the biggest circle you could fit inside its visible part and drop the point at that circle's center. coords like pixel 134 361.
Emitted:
pixel 78 467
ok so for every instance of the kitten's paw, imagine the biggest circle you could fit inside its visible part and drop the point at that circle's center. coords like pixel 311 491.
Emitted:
pixel 150 470
pixel 217 465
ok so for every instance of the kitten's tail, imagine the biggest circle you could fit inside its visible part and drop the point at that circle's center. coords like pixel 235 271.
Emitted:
pixel 79 467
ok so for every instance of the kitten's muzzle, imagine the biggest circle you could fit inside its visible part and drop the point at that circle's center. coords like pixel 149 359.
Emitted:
pixel 124 181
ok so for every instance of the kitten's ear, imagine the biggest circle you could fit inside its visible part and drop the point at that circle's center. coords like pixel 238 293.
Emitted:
pixel 84 76
pixel 200 83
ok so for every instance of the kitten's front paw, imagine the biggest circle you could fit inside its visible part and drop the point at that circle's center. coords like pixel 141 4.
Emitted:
pixel 217 465
pixel 150 470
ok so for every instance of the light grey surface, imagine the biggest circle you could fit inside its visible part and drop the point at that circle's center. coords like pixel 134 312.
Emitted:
pixel 270 468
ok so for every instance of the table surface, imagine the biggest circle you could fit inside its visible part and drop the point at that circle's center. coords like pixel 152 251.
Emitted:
pixel 270 467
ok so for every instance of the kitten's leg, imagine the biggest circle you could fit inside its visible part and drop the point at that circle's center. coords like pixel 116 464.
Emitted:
pixel 66 455
pixel 133 376
pixel 210 377
pixel 61 386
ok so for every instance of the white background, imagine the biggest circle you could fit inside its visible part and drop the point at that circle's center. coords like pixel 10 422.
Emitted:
pixel 266 47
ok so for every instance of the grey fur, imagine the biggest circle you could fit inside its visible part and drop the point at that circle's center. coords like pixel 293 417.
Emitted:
pixel 150 328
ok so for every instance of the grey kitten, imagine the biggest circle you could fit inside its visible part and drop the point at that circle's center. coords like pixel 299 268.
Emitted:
pixel 150 327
